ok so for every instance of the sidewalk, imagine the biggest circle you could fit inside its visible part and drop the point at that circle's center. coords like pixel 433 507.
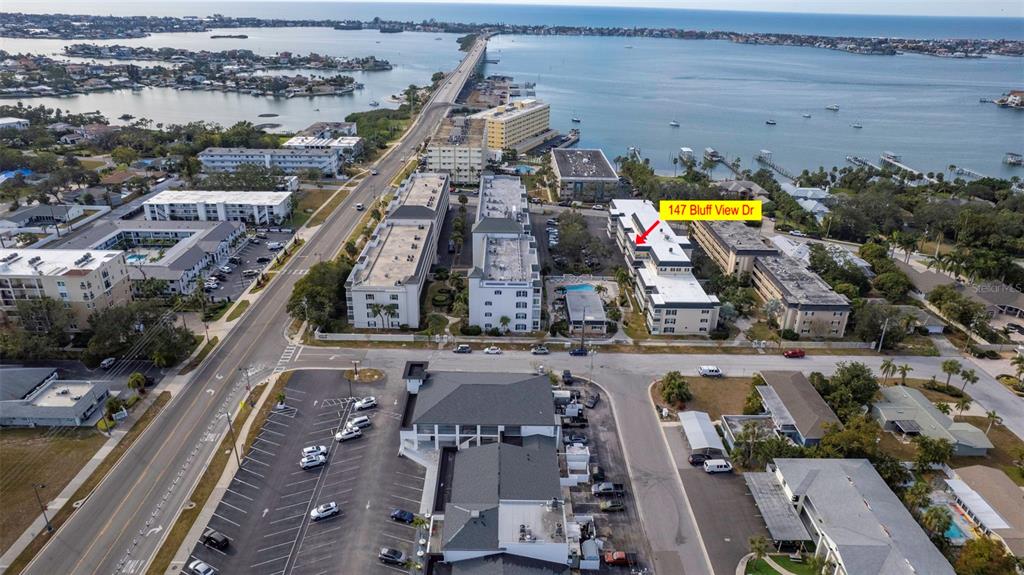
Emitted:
pixel 54 505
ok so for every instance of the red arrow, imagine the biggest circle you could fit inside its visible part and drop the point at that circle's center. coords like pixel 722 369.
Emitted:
pixel 642 238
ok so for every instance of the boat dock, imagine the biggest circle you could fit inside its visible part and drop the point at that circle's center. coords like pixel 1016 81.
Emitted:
pixel 896 161
pixel 969 174
pixel 764 157
pixel 863 162
pixel 1013 159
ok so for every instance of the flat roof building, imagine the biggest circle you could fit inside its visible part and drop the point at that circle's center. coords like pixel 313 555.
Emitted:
pixel 459 149
pixel 584 175
pixel 585 311
pixel 348 146
pixel 329 129
pixel 993 502
pixel 855 521
pixel 84 281
pixel 504 283
pixel 907 411
pixel 670 297
pixel 174 251
pixel 809 306
pixel 31 397
pixel 731 245
pixel 796 408
pixel 258 208
pixel 383 290
pixel 801 250
pixel 517 125
pixel 290 160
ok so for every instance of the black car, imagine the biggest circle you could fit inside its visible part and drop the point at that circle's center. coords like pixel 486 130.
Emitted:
pixel 579 352
pixel 215 539
pixel 565 203
pixel 220 276
pixel 596 473
pixel 1015 328
pixel 263 260
pixel 390 556
pixel 235 260
pixel 592 400
pixel 403 516
pixel 699 456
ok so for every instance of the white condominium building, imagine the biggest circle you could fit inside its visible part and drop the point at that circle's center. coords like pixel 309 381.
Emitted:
pixel 516 124
pixel 260 208
pixel 348 146
pixel 84 281
pixel 459 148
pixel 504 284
pixel 383 290
pixel 289 160
pixel 671 298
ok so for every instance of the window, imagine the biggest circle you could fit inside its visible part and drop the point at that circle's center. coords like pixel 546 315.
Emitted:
pixel 394 297
pixel 522 293
pixel 369 297
pixel 670 321
pixel 520 327
pixel 705 311
pixel 521 305
pixel 497 292
pixel 704 320
pixel 488 314
pixel 487 303
pixel 669 330
pixel 520 316
pixel 671 311
pixel 369 314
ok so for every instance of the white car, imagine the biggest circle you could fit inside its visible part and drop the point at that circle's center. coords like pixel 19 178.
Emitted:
pixel 360 207
pixel 709 371
pixel 201 568
pixel 311 461
pixel 365 403
pixel 226 269
pixel 493 350
pixel 324 511
pixel 108 363
pixel 797 233
pixel 359 422
pixel 348 433
pixel 274 246
pixel 314 450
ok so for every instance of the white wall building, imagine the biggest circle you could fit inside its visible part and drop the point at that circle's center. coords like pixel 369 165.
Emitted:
pixel 13 123
pixel 348 146
pixel 459 148
pixel 671 298
pixel 392 269
pixel 289 160
pixel 260 208
pixel 505 279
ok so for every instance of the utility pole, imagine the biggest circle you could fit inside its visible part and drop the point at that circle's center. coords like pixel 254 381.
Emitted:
pixel 35 488
pixel 355 374
pixel 231 431
pixel 885 326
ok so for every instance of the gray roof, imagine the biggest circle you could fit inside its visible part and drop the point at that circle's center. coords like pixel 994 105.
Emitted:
pixel 407 212
pixel 584 302
pixel 806 409
pixel 24 215
pixel 16 382
pixel 267 151
pixel 738 237
pixel 497 225
pixel 506 565
pixel 474 398
pixel 801 286
pixel 775 507
pixel 583 164
pixel 902 403
pixel 872 530
pixel 470 526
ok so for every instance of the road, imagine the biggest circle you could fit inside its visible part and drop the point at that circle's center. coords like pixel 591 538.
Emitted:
pixel 120 527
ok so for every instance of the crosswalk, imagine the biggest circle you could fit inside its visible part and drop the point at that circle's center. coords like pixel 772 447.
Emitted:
pixel 286 356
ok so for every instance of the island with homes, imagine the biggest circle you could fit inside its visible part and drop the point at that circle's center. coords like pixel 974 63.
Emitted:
pixel 233 59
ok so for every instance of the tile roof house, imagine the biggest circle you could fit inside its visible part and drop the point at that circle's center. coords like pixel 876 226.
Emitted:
pixel 907 411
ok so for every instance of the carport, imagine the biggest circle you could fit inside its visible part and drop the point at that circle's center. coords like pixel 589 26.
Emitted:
pixel 699 430
pixel 778 512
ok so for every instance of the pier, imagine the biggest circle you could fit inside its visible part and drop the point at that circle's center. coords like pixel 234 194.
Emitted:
pixel 969 174
pixel 764 157
pixel 1013 159
pixel 896 161
pixel 863 162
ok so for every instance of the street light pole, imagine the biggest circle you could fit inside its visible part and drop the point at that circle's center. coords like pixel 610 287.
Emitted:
pixel 234 449
pixel 355 374
pixel 35 488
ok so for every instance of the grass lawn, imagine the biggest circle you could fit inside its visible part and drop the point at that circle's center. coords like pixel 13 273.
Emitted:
pixel 760 567
pixel 761 331
pixel 410 166
pixel 798 568
pixel 933 395
pixel 918 345
pixel 212 343
pixel 238 310
pixel 92 164
pixel 1002 456
pixel 33 456
pixel 713 395
pixel 308 202
pixel 57 519
pixel 327 208
pixel 435 324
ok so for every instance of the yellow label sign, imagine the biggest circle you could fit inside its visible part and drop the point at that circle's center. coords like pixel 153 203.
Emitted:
pixel 710 210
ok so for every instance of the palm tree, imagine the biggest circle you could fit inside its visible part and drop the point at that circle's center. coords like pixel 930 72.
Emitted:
pixel 904 370
pixel 758 546
pixel 968 376
pixel 962 404
pixel 951 367
pixel 936 519
pixel 377 310
pixel 917 495
pixel 888 369
pixel 993 419
pixel 943 408
pixel 137 383
pixel 390 311
pixel 504 321
pixel 1018 363
pixel 600 289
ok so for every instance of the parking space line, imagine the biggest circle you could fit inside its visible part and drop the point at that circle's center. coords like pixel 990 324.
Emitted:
pixel 290 390
pixel 261 476
pixel 215 550
pixel 346 480
pixel 287 518
pixel 250 458
pixel 280 532
pixel 296 493
pixel 348 460
pixel 409 541
pixel 417 477
pixel 331 530
pixel 298 482
pixel 404 498
pixel 306 471
pixel 254 448
pixel 292 505
pixel 265 440
pixel 265 430
pixel 273 546
pixel 233 507
pixel 399 524
pixel 244 483
pixel 393 569
pixel 315 547
pixel 275 422
pixel 269 561
pixel 229 490
pixel 323 429
pixel 397 484
pixel 226 519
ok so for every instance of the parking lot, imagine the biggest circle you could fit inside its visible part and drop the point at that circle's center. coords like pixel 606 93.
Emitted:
pixel 265 512
pixel 597 222
pixel 235 283
pixel 622 531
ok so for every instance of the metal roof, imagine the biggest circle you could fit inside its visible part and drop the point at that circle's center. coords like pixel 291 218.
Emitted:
pixel 699 430
pixel 775 507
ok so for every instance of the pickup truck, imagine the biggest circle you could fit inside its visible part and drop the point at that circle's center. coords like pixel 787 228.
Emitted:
pixel 574 422
pixel 619 558
pixel 607 489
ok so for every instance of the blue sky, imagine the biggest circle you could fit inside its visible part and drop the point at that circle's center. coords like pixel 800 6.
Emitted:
pixel 998 8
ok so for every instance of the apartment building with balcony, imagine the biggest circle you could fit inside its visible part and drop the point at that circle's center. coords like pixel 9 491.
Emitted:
pixel 518 125
pixel 290 160
pixel 258 208
pixel 730 244
pixel 809 306
pixel 459 149
pixel 670 297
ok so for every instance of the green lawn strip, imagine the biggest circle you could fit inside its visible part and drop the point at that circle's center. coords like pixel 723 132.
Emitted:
pixel 238 310
pixel 162 561
pixel 320 216
pixel 195 361
pixel 288 252
pixel 760 567
pixel 33 548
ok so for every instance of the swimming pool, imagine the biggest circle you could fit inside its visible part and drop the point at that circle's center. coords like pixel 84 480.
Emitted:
pixel 580 287
pixel 954 532
pixel 522 170
pixel 135 258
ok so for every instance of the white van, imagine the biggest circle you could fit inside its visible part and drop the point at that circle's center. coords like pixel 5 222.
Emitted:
pixel 709 371
pixel 717 466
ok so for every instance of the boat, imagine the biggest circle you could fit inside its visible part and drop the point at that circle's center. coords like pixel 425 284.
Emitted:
pixel 576 120
pixel 856 125
pixel 629 47
pixel 674 124
pixel 833 108
pixel 770 122
pixel 806 115
pixel 374 103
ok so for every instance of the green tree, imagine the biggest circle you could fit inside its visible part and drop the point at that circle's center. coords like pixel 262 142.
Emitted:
pixel 319 296
pixel 123 155
pixel 759 546
pixel 888 369
pixel 962 404
pixel 931 451
pixel 137 382
pixel 984 556
pixel 951 367
pixel 675 389
pixel 851 386
pixel 504 321
pixel 993 419
pixel 903 370
pixel 45 317
pixel 917 496
pixel 114 405
pixel 936 520
pixel 969 376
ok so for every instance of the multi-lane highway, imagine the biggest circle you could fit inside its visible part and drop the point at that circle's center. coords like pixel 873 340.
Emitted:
pixel 122 524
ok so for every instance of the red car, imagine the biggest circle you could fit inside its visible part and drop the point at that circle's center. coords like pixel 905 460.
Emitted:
pixel 794 353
